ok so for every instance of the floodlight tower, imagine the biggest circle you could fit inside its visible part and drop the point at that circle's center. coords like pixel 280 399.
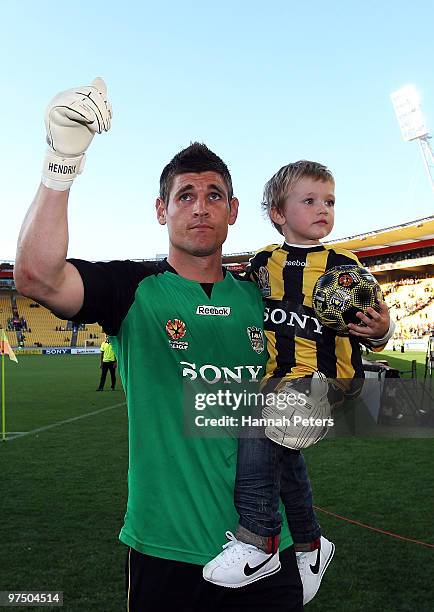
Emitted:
pixel 406 102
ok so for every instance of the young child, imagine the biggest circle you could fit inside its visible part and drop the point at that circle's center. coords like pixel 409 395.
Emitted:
pixel 303 355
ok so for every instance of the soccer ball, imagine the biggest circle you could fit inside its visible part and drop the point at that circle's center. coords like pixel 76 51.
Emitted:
pixel 343 291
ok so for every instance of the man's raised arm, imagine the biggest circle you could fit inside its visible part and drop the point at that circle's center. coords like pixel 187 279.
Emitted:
pixel 41 271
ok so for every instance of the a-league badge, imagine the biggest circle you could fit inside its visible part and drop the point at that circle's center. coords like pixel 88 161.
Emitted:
pixel 256 337
pixel 176 330
pixel 264 281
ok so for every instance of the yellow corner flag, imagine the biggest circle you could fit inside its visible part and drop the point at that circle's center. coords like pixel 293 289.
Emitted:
pixel 5 347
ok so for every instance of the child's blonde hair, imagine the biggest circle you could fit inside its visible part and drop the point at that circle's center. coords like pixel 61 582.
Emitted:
pixel 277 189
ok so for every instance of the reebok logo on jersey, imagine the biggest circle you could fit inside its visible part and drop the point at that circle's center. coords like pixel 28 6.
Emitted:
pixel 61 169
pixel 214 311
pixel 295 263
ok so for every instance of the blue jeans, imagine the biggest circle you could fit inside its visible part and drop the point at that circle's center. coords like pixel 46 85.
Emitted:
pixel 265 472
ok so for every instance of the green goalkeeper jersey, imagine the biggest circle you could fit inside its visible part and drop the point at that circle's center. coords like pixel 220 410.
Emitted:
pixel 167 330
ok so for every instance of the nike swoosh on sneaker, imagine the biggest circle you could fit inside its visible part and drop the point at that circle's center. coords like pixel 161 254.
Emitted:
pixel 315 568
pixel 249 571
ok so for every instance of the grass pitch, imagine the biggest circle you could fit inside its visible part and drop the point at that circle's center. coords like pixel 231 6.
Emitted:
pixel 63 494
pixel 402 361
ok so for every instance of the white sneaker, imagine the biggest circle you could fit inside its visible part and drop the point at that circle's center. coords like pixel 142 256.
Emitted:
pixel 312 566
pixel 240 564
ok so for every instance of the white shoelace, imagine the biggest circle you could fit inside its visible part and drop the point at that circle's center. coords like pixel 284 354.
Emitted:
pixel 234 550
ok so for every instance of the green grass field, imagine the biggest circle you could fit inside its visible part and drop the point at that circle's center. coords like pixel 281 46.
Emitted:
pixel 402 361
pixel 63 493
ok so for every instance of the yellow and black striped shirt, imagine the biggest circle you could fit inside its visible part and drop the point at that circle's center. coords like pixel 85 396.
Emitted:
pixel 298 344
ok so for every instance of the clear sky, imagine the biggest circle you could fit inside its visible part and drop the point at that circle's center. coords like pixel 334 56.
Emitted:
pixel 261 83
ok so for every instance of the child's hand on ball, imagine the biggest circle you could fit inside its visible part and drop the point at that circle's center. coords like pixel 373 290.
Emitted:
pixel 376 323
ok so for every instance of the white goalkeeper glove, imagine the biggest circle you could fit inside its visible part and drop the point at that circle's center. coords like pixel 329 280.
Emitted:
pixel 72 119
pixel 299 420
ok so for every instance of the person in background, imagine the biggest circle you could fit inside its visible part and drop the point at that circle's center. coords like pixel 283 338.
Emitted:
pixel 108 364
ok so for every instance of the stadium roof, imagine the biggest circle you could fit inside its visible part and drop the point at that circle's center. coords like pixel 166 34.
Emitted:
pixel 414 235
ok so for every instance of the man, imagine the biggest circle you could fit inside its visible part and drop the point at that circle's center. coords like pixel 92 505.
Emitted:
pixel 180 488
pixel 107 364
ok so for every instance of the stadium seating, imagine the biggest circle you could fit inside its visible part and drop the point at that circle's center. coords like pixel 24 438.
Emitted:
pixel 411 301
pixel 12 338
pixel 92 329
pixel 43 324
pixel 5 309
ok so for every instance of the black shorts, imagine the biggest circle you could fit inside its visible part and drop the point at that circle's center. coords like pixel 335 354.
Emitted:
pixel 154 584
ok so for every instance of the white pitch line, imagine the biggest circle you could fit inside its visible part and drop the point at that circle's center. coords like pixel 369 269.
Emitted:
pixel 71 420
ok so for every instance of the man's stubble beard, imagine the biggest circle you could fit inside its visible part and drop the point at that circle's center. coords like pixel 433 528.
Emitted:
pixel 202 251
pixel 198 250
